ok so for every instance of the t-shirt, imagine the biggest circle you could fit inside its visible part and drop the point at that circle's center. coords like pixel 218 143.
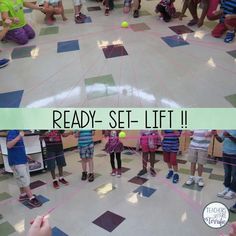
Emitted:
pixel 16 154
pixel 53 2
pixel 14 9
pixel 200 140
pixel 53 140
pixel 85 138
pixel 228 6
pixel 229 147
pixel 170 142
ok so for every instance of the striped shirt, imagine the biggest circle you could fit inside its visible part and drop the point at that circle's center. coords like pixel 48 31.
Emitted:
pixel 85 138
pixel 228 6
pixel 201 140
pixel 170 142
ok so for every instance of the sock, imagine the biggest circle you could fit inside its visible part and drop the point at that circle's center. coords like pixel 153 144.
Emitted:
pixel 61 177
pixel 32 197
pixel 23 194
pixel 54 180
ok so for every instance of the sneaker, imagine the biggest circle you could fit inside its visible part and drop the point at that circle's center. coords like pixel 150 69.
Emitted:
pixel 175 178
pixel 107 13
pixel 91 177
pixel 233 208
pixel 230 195
pixel 55 184
pixel 118 173
pixel 63 181
pixel 23 198
pixel 113 173
pixel 136 14
pixel 222 194
pixel 34 202
pixel 142 172
pixel 82 16
pixel 78 19
pixel 49 21
pixel 200 182
pixel 153 172
pixel 84 175
pixel 190 180
pixel 170 174
pixel 4 62
pixel 229 37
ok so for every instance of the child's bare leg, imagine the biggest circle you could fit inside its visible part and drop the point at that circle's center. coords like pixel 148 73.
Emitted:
pixel 62 12
pixel 193 10
pixel 27 190
pixel 77 9
pixel 91 166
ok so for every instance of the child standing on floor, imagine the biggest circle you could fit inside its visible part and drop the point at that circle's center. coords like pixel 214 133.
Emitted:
pixel 79 17
pixel 197 153
pixel 114 147
pixel 229 159
pixel 6 26
pixel 149 142
pixel 86 149
pixel 55 154
pixel 51 8
pixel 167 9
pixel 18 161
pixel 170 146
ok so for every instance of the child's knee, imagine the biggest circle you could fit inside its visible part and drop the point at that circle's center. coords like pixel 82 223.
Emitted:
pixel 22 40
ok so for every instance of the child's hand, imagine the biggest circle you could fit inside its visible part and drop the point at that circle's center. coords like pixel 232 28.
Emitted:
pixel 217 12
pixel 181 17
pixel 40 227
pixel 233 230
pixel 7 22
pixel 226 134
pixel 16 20
pixel 214 132
pixel 22 134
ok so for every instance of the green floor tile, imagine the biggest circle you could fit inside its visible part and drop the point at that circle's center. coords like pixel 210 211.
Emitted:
pixel 4 177
pixel 232 217
pixel 127 160
pixel 100 86
pixel 210 24
pixel 207 170
pixel 192 187
pixel 231 99
pixel 184 171
pixel 96 175
pixel 49 30
pixel 119 5
pixel 4 196
pixel 6 229
pixel 216 177
pixel 1 217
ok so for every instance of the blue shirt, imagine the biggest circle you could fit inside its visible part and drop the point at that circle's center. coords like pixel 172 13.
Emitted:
pixel 229 147
pixel 170 142
pixel 16 154
pixel 85 138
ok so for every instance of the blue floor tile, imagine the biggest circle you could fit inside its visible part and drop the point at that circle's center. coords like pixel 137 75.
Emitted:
pixel 58 232
pixel 27 10
pixel 11 99
pixel 175 41
pixel 68 46
pixel 144 191
pixel 87 20
pixel 42 199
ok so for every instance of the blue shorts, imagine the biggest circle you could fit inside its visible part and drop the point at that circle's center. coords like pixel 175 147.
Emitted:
pixel 87 151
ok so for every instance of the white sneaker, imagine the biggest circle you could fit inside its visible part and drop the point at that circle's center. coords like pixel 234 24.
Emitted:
pixel 230 195
pixel 190 180
pixel 200 182
pixel 222 194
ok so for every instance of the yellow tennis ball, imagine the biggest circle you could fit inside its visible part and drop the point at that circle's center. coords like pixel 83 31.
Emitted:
pixel 124 24
pixel 122 134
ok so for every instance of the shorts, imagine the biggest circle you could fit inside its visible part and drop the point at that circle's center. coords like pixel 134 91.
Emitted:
pixel 77 2
pixel 86 152
pixel 21 174
pixel 170 157
pixel 55 157
pixel 197 156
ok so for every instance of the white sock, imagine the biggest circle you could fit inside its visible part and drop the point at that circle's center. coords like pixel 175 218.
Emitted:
pixel 54 180
pixel 23 194
pixel 32 197
pixel 61 177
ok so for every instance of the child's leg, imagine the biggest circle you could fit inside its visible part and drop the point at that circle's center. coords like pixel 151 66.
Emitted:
pixel 152 159
pixel 219 30
pixel 184 8
pixel 18 36
pixel 231 27
pixel 127 6
pixel 112 160
pixel 212 6
pixel 84 165
pixel 29 31
pixel 173 161
pixel 62 11
pixel 166 156
pixel 193 10
pixel 118 159
pixel 136 8
pixel 145 160
pixel 91 165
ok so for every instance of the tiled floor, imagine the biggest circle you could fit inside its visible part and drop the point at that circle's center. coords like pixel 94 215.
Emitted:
pixel 152 74
pixel 116 206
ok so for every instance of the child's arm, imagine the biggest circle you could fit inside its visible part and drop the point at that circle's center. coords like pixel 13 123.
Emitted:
pixel 3 32
pixel 228 135
pixel 13 142
pixel 184 9
pixel 32 6
pixel 230 16
pixel 204 12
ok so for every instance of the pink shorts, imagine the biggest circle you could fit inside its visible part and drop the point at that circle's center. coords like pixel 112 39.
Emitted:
pixel 220 28
pixel 170 157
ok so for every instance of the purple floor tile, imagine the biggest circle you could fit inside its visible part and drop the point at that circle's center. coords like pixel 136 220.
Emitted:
pixel 181 29
pixel 114 51
pixel 109 221
pixel 41 198
pixel 36 184
pixel 138 180
pixel 124 169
